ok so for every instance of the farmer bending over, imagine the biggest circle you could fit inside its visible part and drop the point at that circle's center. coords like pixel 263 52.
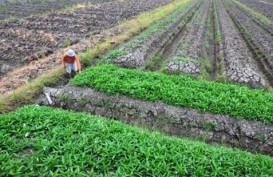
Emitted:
pixel 71 63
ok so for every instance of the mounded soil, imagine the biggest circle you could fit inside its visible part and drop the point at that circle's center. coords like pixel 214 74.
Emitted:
pixel 179 121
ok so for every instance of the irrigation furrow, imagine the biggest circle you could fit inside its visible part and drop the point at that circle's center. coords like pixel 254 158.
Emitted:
pixel 188 57
pixel 210 43
pixel 240 66
pixel 262 59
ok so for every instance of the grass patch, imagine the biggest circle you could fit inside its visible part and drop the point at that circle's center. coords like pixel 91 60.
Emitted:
pixel 115 54
pixel 42 141
pixel 218 37
pixel 154 63
pixel 27 92
pixel 218 98
pixel 182 57
pixel 132 27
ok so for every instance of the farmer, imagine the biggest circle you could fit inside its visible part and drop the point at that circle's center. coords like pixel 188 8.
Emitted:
pixel 71 63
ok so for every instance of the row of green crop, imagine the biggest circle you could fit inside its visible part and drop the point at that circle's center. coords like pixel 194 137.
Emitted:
pixel 239 102
pixel 42 141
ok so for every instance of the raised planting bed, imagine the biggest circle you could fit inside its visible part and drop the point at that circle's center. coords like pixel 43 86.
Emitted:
pixel 258 39
pixel 44 141
pixel 138 52
pixel 239 63
pixel 188 55
pixel 239 102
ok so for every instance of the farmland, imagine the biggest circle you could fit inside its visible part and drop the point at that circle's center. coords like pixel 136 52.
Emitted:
pixel 19 44
pixel 77 144
pixel 209 45
pixel 195 69
pixel 13 9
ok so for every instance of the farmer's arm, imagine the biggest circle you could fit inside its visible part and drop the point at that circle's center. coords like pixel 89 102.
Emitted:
pixel 78 64
pixel 63 61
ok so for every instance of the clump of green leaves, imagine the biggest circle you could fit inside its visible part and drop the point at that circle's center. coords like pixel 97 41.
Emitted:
pixel 87 58
pixel 116 53
pixel 218 38
pixel 184 58
pixel 42 141
pixel 218 98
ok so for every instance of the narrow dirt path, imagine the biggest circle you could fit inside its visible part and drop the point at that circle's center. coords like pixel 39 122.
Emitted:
pixel 212 53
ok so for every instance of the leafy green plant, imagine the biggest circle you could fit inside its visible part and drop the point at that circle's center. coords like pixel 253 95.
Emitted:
pixel 67 43
pixel 154 63
pixel 82 102
pixel 42 141
pixel 87 58
pixel 218 38
pixel 115 53
pixel 184 58
pixel 237 101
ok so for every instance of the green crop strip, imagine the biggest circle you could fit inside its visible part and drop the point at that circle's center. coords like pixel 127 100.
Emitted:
pixel 218 98
pixel 42 141
pixel 115 53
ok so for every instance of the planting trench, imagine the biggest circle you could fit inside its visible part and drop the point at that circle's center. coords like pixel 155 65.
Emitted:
pixel 252 136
